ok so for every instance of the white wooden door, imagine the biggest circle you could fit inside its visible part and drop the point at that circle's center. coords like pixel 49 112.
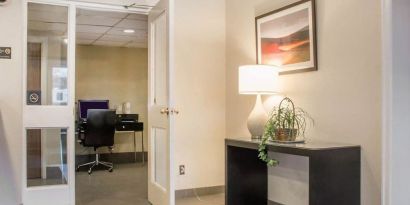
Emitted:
pixel 160 112
pixel 48 104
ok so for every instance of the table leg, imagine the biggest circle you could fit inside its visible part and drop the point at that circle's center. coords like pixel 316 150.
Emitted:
pixel 135 149
pixel 142 147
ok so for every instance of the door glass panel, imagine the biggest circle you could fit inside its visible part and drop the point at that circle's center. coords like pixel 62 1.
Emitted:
pixel 47 55
pixel 46 156
pixel 160 60
pixel 160 146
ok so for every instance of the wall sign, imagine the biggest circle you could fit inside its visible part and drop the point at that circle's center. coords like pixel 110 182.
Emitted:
pixel 5 52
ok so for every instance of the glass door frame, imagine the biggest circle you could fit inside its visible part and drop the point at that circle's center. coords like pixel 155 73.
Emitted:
pixel 50 116
pixel 67 111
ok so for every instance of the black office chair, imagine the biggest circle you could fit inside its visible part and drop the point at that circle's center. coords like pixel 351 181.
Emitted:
pixel 99 132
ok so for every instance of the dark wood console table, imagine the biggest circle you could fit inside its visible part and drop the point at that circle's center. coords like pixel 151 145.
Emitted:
pixel 334 172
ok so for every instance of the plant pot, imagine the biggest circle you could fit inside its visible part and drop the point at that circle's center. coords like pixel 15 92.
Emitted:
pixel 286 134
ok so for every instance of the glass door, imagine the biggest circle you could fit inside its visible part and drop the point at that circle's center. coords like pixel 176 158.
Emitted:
pixel 48 107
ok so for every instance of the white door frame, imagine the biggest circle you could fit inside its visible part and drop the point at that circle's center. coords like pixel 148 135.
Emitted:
pixel 30 122
pixel 92 6
pixel 72 6
pixel 387 73
pixel 396 78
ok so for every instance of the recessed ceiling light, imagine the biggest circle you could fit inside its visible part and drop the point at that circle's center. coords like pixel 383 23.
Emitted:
pixel 129 31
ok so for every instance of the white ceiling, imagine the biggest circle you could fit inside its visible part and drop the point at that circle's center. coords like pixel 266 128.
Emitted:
pixel 107 29
pixel 93 27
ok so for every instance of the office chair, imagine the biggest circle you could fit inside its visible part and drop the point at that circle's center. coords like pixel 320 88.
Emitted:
pixel 99 132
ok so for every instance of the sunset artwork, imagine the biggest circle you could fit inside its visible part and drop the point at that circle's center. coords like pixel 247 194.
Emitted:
pixel 286 40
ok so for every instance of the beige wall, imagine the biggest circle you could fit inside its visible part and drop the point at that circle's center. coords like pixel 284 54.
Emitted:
pixel 344 96
pixel 119 75
pixel 11 104
pixel 200 92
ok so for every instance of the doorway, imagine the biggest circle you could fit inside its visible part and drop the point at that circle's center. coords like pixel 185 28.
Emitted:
pixel 53 97
pixel 112 66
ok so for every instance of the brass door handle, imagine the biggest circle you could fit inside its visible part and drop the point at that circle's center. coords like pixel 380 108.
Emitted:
pixel 169 111
pixel 165 111
pixel 175 111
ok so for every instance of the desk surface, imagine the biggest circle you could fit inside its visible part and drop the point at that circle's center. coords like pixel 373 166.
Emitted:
pixel 307 148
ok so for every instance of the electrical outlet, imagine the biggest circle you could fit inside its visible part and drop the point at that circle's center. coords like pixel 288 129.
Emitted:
pixel 181 169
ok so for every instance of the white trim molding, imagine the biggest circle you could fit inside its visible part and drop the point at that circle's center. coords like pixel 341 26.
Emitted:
pixel 96 6
pixel 387 71
pixel 396 100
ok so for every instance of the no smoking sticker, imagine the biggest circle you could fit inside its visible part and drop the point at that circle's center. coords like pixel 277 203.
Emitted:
pixel 34 97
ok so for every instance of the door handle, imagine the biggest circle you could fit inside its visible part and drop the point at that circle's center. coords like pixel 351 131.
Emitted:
pixel 165 111
pixel 175 111
pixel 169 111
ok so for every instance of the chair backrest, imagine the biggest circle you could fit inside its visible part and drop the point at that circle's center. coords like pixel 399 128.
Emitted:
pixel 100 128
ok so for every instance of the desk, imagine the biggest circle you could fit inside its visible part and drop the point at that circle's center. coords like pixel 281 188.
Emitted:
pixel 334 172
pixel 133 128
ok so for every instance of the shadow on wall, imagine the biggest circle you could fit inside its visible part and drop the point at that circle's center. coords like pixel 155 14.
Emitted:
pixel 8 189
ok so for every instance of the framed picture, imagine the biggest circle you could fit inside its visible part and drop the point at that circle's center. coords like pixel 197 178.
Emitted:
pixel 287 38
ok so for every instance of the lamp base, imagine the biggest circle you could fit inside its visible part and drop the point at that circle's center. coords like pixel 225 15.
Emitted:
pixel 257 119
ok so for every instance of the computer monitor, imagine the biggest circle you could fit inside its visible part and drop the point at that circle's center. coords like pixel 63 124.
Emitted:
pixel 85 105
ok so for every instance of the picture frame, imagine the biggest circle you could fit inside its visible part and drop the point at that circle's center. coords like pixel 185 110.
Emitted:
pixel 286 38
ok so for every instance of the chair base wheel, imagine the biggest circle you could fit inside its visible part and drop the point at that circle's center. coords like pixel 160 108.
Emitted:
pixel 92 165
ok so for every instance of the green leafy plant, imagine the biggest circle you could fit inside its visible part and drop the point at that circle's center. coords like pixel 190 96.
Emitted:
pixel 286 123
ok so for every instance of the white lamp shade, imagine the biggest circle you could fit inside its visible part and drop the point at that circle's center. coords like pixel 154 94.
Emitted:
pixel 258 79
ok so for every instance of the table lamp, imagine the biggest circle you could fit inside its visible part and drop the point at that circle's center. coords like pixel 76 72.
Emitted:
pixel 258 80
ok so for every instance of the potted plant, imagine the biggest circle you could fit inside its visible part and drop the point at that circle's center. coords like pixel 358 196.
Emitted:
pixel 286 123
